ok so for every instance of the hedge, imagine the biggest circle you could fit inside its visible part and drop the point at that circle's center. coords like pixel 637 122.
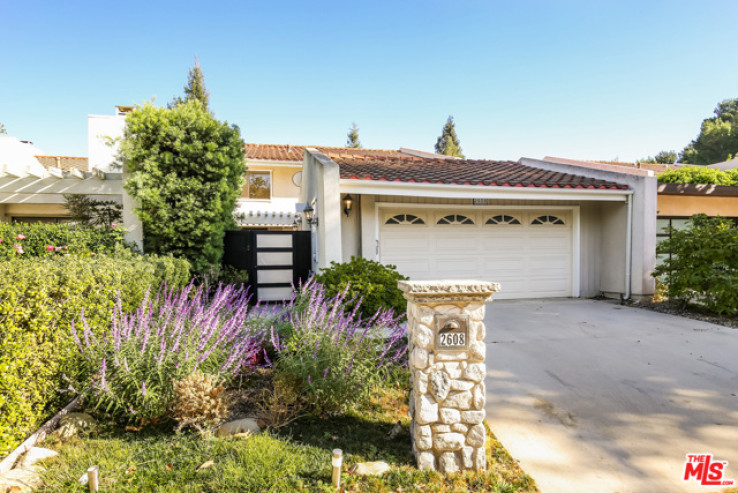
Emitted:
pixel 43 239
pixel 39 297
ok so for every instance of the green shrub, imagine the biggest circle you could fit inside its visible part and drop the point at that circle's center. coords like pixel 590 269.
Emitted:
pixel 43 239
pixel 39 297
pixel 374 283
pixel 703 265
pixel 700 175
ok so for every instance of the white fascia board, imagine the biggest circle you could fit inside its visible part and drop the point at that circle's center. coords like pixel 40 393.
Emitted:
pixel 479 191
pixel 276 164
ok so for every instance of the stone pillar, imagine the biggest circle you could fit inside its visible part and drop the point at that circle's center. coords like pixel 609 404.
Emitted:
pixel 445 320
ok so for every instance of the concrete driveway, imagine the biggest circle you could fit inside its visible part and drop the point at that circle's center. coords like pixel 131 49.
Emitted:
pixel 591 396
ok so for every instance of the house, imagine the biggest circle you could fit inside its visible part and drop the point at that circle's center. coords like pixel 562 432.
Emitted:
pixel 540 228
pixel 32 192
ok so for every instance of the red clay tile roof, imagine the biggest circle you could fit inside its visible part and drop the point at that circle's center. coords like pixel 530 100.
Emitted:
pixel 65 163
pixel 461 172
pixel 286 152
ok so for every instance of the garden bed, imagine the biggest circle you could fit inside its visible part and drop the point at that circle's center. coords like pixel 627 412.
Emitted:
pixel 693 311
pixel 295 457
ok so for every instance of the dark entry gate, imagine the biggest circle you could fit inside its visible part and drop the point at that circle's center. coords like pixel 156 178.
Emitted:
pixel 274 260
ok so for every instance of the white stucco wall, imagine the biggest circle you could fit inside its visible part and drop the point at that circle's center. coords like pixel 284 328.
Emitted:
pixel 100 130
pixel 614 231
pixel 320 184
pixel 351 230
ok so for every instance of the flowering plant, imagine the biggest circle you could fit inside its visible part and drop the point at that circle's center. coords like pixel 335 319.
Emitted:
pixel 137 360
pixel 332 357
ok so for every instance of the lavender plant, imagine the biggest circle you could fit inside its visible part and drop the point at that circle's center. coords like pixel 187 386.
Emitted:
pixel 332 357
pixel 135 363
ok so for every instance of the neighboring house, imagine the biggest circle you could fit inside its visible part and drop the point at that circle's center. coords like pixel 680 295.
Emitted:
pixel 676 203
pixel 541 229
pixel 32 192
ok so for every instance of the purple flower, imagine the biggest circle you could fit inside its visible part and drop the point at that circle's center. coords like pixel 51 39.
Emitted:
pixel 325 373
pixel 310 381
pixel 143 389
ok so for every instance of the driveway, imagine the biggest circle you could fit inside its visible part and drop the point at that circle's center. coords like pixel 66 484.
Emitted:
pixel 591 396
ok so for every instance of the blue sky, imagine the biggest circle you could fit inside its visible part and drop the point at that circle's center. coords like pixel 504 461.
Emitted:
pixel 581 79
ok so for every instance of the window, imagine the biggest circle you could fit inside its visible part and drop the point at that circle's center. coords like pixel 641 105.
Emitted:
pixel 258 185
pixel 664 227
pixel 503 219
pixel 404 219
pixel 547 220
pixel 455 219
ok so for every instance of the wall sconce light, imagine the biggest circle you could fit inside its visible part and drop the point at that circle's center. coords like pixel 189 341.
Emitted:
pixel 310 215
pixel 348 204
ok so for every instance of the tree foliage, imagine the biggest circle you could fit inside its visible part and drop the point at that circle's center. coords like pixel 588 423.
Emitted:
pixel 186 171
pixel 2 129
pixel 699 175
pixel 448 143
pixel 84 209
pixel 352 138
pixel 703 264
pixel 663 157
pixel 195 88
pixel 718 138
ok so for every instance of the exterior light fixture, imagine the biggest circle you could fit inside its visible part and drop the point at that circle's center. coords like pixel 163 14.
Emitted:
pixel 310 215
pixel 348 203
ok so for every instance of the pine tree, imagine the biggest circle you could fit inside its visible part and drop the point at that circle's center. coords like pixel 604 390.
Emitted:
pixel 195 88
pixel 448 143
pixel 352 138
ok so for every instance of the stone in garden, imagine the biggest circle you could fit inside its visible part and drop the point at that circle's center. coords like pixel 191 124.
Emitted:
pixel 246 425
pixel 475 372
pixel 448 441
pixel 440 384
pixel 472 417
pixel 243 436
pixel 455 356
pixel 74 423
pixel 476 436
pixel 370 468
pixel 20 480
pixel 441 428
pixel 453 369
pixel 449 416
pixel 36 454
pixel 449 463
pixel 459 400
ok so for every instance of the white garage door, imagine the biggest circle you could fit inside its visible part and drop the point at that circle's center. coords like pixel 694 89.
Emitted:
pixel 528 252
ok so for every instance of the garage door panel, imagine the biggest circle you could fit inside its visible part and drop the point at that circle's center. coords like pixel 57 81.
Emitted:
pixel 527 260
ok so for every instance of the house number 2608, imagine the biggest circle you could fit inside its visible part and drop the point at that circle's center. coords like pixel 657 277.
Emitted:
pixel 453 339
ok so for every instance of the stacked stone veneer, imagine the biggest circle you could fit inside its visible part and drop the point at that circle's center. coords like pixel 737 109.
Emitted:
pixel 448 395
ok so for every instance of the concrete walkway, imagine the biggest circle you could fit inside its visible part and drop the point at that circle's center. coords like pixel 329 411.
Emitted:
pixel 591 396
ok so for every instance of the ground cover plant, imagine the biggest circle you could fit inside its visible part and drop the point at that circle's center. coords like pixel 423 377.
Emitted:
pixel 292 458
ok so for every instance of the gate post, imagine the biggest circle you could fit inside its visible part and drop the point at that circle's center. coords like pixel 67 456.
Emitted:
pixel 445 320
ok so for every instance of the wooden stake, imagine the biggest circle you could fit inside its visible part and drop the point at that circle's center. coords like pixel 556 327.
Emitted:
pixel 336 462
pixel 92 478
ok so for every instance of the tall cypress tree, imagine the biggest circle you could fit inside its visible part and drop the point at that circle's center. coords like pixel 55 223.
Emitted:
pixel 448 143
pixel 352 138
pixel 195 88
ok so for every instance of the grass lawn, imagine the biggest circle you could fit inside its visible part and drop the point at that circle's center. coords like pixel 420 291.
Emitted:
pixel 293 458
